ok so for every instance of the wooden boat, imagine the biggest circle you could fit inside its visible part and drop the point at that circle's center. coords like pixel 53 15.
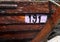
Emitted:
pixel 13 17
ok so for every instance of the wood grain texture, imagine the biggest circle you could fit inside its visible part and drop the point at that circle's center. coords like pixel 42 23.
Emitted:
pixel 23 7
pixel 30 7
pixel 49 26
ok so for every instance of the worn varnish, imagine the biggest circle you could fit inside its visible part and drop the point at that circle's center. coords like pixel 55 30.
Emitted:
pixel 52 22
pixel 21 31
pixel 29 7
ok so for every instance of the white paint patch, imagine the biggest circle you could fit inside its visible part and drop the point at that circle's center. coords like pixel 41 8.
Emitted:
pixel 43 19
pixel 27 19
pixel 55 39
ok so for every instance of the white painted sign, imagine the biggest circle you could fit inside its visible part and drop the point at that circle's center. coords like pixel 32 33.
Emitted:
pixel 35 18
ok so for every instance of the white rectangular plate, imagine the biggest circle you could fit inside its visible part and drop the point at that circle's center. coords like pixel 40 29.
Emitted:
pixel 35 18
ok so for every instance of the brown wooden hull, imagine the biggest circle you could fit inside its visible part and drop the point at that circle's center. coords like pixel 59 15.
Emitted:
pixel 21 31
